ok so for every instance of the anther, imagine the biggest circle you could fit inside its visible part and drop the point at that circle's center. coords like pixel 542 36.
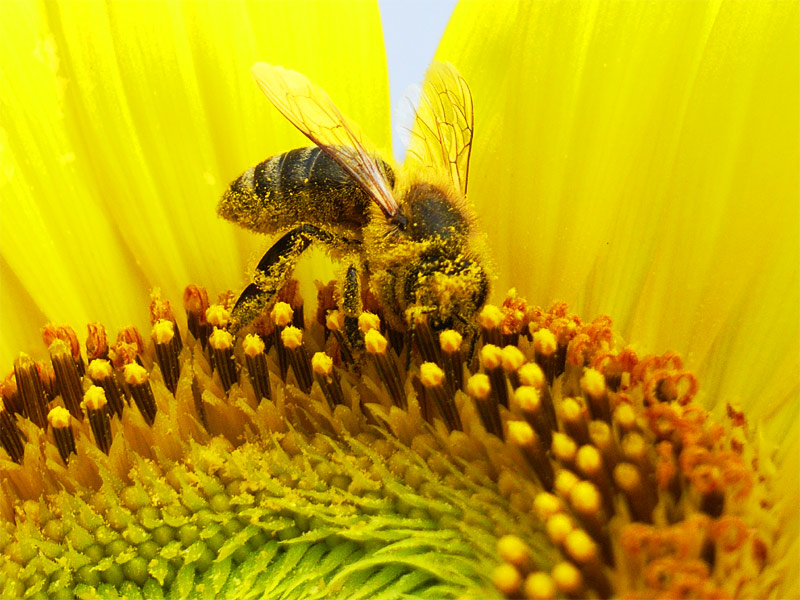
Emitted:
pixel 492 363
pixel 603 439
pixel 129 347
pixel 58 417
pixel 558 527
pixel 95 402
pixel 11 438
pixel 452 359
pixel 523 435
pixel 96 342
pixel 367 321
pixel 257 369
pixel 575 419
pixel 66 334
pixel 634 448
pixel 565 481
pixel 377 347
pixel 540 586
pixel 292 339
pixel 281 316
pixel 221 344
pixel 327 378
pixel 593 386
pixel 480 390
pixel 584 551
pixel 30 389
pixel 590 464
pixel 564 449
pixel 218 316
pixel 334 323
pixel 433 379
pixel 102 374
pixel 516 552
pixel 568 579
pixel 137 380
pixel 67 377
pixel 10 394
pixel 546 505
pixel 507 579
pixel 625 419
pixel 167 348
pixel 529 402
pixel 162 310
pixel 641 499
pixel 545 346
pixel 513 359
pixel 426 343
pixel 490 319
pixel 195 303
pixel 531 374
pixel 587 503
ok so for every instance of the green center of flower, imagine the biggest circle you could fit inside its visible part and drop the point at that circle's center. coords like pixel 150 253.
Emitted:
pixel 535 460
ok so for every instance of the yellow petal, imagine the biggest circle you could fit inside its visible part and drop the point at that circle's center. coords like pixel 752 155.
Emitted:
pixel 128 120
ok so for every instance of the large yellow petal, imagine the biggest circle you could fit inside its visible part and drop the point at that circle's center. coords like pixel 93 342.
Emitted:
pixel 126 122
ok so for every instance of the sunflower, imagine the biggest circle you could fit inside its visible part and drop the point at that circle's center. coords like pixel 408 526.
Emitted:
pixel 637 160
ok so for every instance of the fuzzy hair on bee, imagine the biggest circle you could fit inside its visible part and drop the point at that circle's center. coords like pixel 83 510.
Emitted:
pixel 409 233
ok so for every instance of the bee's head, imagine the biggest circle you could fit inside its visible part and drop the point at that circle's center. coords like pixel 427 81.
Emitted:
pixel 450 290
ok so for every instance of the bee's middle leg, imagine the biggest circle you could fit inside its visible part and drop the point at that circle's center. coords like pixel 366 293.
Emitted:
pixel 274 270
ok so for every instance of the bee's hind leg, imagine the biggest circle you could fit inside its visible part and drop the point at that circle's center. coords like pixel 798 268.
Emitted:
pixel 351 307
pixel 274 270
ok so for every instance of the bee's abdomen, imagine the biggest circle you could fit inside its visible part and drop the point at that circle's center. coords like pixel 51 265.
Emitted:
pixel 301 186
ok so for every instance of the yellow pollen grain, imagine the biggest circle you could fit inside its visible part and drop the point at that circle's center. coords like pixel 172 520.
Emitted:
pixel 430 374
pixel 292 337
pixel 375 342
pixel 94 398
pixel 135 374
pixel 58 417
pixel 531 374
pixel 568 578
pixel 220 339
pixel 281 314
pixel 593 383
pixel 253 345
pixel 513 550
pixel 334 321
pixel 218 316
pixel 99 368
pixel 490 317
pixel 491 356
pixel 580 546
pixel 450 341
pixel 544 341
pixel 558 527
pixel 585 497
pixel 507 579
pixel 540 586
pixel 565 481
pixel 520 433
pixel 367 321
pixel 478 386
pixel 163 331
pixel 513 358
pixel 546 505
pixel 588 459
pixel 321 363
pixel 527 398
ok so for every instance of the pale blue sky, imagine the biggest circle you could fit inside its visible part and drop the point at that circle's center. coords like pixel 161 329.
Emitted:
pixel 412 29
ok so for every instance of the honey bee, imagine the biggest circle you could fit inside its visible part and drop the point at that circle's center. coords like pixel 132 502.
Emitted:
pixel 409 231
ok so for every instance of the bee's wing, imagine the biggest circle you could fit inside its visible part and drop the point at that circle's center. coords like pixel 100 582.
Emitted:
pixel 311 110
pixel 442 135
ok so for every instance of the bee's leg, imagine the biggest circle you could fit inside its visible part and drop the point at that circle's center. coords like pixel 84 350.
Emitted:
pixel 351 306
pixel 273 270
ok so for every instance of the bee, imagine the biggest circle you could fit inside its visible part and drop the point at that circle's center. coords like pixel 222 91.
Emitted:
pixel 409 233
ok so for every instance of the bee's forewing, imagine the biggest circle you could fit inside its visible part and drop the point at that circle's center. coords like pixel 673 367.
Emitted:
pixel 441 139
pixel 311 110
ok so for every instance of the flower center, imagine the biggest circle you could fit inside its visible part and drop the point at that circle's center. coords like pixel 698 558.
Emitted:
pixel 536 459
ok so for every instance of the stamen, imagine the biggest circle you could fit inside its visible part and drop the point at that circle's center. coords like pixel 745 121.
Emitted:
pixel 531 374
pixel 490 319
pixel 95 402
pixel 367 321
pixel 31 390
pixel 167 348
pixel 547 504
pixel 376 346
pixel 568 579
pixel 625 419
pixel 564 450
pixel 11 438
pixel 327 378
pixel 545 346
pixel 480 390
pixel 590 464
pixel 492 363
pixel 137 379
pixel 96 342
pixel 514 551
pixel 574 417
pixel 603 439
pixel 528 400
pixel 221 344
pixel 67 377
pixel 507 579
pixel 292 339
pixel 66 334
pixel 101 373
pixel 558 527
pixel 584 551
pixel 218 316
pixel 641 499
pixel 129 348
pixel 10 394
pixel 334 323
pixel 195 303
pixel 523 435
pixel 452 359
pixel 281 316
pixel 593 385
pixel 432 378
pixel 540 586
pixel 426 343
pixel 587 503
pixel 513 359
pixel 162 310
pixel 59 420
pixel 257 369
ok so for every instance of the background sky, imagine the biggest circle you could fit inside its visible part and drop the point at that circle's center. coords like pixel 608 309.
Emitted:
pixel 412 30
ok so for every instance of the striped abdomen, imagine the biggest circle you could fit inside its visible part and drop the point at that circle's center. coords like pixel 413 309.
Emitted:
pixel 301 186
